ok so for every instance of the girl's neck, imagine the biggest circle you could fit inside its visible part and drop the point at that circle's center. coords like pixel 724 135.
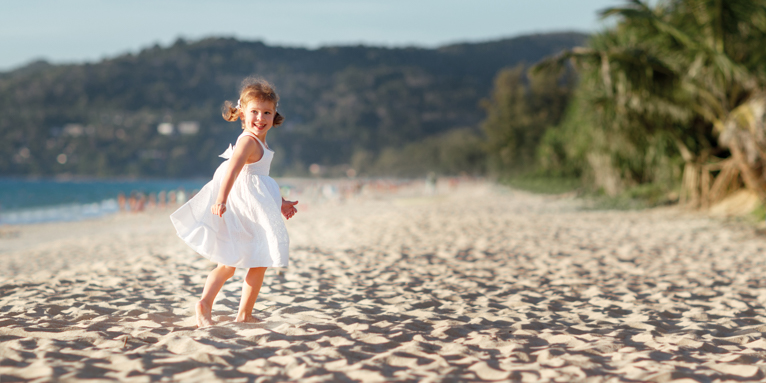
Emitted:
pixel 261 136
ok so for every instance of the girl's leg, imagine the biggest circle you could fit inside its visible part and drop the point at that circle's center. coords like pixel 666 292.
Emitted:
pixel 250 290
pixel 213 285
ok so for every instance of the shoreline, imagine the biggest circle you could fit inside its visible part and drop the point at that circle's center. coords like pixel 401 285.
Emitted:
pixel 139 194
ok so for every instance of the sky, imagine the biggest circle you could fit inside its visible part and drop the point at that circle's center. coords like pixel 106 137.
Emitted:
pixel 79 31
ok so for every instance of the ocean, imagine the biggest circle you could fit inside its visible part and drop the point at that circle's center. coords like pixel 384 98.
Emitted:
pixel 25 201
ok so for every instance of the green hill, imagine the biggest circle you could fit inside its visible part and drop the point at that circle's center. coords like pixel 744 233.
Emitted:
pixel 344 102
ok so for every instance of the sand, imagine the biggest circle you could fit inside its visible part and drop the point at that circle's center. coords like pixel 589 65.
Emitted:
pixel 474 283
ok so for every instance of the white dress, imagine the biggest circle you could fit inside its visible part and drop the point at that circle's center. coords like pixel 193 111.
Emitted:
pixel 251 232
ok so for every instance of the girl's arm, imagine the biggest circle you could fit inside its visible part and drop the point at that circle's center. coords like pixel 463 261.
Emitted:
pixel 244 149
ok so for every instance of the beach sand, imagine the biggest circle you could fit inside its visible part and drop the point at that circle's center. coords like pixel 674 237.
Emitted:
pixel 474 283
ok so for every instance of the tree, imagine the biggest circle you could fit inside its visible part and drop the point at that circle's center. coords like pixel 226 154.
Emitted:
pixel 520 110
pixel 690 72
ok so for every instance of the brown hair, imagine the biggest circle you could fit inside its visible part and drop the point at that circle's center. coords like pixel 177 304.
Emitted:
pixel 253 88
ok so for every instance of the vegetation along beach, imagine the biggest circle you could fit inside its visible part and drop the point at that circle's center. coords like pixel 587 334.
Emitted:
pixel 570 207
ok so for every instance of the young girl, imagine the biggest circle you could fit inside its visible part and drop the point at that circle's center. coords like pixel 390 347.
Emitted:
pixel 234 220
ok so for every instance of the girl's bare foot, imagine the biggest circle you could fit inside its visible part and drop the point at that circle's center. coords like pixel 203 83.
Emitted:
pixel 204 318
pixel 247 319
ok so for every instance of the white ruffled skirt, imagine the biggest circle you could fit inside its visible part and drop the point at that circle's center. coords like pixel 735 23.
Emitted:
pixel 251 232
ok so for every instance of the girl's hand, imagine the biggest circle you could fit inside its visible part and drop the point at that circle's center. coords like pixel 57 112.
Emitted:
pixel 218 209
pixel 288 208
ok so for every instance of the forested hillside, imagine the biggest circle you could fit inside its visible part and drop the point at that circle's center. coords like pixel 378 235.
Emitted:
pixel 350 106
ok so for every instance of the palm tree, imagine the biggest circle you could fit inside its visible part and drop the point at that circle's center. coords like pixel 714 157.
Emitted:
pixel 689 71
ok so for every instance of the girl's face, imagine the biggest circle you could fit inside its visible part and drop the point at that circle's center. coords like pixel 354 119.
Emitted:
pixel 259 116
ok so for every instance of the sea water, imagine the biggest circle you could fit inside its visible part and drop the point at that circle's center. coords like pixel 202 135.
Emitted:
pixel 32 201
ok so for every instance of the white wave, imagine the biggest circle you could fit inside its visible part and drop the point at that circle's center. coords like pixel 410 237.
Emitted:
pixel 59 213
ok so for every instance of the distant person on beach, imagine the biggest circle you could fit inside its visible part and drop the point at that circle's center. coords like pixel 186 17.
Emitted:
pixel 244 229
pixel 172 198
pixel 121 201
pixel 140 201
pixel 132 201
pixel 181 195
pixel 431 183
pixel 152 201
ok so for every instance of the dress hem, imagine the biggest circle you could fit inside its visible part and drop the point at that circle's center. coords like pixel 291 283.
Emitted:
pixel 204 254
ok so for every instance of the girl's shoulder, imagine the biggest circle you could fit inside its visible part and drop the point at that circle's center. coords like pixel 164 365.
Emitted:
pixel 247 142
pixel 250 137
pixel 249 147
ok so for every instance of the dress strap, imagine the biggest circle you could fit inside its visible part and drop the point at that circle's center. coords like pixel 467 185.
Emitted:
pixel 249 134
